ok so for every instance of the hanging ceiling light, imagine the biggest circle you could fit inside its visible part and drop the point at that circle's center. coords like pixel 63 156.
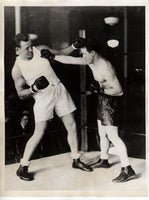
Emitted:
pixel 113 43
pixel 111 20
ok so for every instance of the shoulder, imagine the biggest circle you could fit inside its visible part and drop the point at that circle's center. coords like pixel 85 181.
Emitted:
pixel 108 67
pixel 15 70
pixel 104 64
pixel 108 70
pixel 15 67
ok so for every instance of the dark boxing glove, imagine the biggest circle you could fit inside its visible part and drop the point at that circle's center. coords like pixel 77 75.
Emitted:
pixel 39 84
pixel 79 43
pixel 47 54
pixel 95 87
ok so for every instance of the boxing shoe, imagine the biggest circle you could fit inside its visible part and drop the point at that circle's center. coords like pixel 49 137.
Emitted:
pixel 80 165
pixel 127 173
pixel 101 163
pixel 22 172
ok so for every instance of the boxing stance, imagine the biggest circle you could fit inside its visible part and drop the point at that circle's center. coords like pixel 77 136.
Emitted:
pixel 109 90
pixel 34 77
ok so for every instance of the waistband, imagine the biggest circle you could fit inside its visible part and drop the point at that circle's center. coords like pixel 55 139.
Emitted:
pixel 54 83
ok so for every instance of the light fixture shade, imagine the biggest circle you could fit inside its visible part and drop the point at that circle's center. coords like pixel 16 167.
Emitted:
pixel 113 43
pixel 111 20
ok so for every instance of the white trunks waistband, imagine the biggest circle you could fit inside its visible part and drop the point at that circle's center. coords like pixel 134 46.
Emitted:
pixel 53 83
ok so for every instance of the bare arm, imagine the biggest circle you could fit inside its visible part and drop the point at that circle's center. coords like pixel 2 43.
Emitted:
pixel 20 84
pixel 71 60
pixel 65 51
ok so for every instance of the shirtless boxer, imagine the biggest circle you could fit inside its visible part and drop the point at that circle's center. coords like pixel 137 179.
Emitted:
pixel 109 90
pixel 34 77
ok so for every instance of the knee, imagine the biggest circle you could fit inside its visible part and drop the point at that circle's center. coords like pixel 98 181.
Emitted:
pixel 69 123
pixel 72 126
pixel 114 138
pixel 103 137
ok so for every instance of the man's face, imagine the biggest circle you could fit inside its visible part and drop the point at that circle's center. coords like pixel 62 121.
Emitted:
pixel 26 50
pixel 24 120
pixel 88 56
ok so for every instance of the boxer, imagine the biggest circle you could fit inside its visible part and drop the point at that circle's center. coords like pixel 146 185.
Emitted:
pixel 34 77
pixel 109 90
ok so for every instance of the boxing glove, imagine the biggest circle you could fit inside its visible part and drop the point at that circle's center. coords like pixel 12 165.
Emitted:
pixel 45 53
pixel 79 43
pixel 39 84
pixel 95 87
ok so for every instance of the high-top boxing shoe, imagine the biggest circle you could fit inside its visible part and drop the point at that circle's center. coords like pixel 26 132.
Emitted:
pixel 22 172
pixel 127 173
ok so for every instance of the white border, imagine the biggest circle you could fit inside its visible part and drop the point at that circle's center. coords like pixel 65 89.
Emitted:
pixel 3 3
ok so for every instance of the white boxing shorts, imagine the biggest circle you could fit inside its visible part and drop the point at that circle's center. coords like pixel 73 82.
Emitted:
pixel 53 98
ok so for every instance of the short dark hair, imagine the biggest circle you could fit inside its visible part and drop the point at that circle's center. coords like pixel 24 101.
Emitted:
pixel 20 37
pixel 93 45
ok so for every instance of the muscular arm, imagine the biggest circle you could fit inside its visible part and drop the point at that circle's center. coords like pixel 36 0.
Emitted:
pixel 65 51
pixel 71 60
pixel 20 84
pixel 112 85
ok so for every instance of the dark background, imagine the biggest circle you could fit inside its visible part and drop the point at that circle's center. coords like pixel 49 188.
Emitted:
pixel 59 25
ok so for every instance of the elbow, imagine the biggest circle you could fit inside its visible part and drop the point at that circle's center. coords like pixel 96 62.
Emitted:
pixel 21 97
pixel 121 93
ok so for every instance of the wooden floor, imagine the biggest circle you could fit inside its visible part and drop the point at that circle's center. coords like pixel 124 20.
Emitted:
pixel 54 176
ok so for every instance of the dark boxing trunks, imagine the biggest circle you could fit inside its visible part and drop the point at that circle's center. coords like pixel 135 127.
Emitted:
pixel 107 110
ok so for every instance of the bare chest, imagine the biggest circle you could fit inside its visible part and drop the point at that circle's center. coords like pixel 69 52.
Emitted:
pixel 98 74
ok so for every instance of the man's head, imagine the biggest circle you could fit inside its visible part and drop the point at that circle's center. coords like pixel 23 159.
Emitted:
pixel 90 50
pixel 23 46
pixel 24 118
pixel 88 55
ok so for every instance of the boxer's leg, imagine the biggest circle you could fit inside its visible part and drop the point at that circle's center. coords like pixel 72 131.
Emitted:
pixel 31 145
pixel 127 172
pixel 104 142
pixel 34 140
pixel 104 147
pixel 72 138
pixel 102 115
pixel 112 133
